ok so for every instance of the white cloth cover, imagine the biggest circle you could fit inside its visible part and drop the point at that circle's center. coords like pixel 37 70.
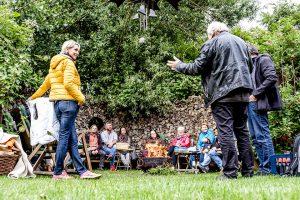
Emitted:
pixel 45 128
pixel 23 168
pixel 191 149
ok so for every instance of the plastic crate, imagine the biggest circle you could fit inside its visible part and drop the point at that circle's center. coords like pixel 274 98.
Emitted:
pixel 280 162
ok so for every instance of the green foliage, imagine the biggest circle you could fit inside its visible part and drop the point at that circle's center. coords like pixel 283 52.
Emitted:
pixel 16 74
pixel 285 124
pixel 116 69
pixel 162 171
pixel 8 123
pixel 281 40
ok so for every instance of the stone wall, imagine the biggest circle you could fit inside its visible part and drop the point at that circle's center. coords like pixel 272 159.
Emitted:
pixel 190 113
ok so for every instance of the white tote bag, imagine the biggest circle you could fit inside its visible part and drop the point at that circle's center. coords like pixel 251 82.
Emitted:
pixel 44 124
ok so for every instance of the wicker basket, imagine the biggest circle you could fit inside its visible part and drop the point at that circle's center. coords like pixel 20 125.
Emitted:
pixel 7 163
pixel 122 146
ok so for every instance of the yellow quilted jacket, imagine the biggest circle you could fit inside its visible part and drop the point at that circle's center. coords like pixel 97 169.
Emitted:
pixel 63 81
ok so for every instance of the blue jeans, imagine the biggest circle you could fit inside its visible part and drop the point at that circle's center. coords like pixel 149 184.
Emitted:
pixel 112 152
pixel 66 113
pixel 212 155
pixel 260 134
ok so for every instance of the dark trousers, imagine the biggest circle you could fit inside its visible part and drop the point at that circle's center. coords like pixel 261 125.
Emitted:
pixel 231 119
pixel 99 156
pixel 172 155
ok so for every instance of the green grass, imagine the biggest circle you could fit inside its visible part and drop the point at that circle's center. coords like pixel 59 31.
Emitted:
pixel 136 185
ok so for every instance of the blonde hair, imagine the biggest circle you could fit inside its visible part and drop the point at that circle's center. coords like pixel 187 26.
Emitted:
pixel 216 27
pixel 68 45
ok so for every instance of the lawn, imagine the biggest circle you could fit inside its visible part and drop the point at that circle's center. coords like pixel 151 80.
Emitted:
pixel 137 185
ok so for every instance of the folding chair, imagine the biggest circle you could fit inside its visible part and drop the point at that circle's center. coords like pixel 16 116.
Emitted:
pixel 119 160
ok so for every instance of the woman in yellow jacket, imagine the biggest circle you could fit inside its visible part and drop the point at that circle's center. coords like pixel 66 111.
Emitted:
pixel 64 83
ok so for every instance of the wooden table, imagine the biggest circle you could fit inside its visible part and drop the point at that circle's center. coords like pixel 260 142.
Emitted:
pixel 186 155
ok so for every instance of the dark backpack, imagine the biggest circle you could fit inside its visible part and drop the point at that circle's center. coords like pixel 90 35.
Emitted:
pixel 294 168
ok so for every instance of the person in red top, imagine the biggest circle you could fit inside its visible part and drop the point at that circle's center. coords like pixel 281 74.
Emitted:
pixel 182 141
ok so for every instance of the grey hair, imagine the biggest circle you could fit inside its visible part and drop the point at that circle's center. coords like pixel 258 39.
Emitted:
pixel 68 45
pixel 180 128
pixel 215 27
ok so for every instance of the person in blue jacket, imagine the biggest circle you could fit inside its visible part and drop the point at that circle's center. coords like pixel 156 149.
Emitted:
pixel 205 140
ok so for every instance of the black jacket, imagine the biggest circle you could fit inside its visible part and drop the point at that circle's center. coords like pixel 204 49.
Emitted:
pixel 265 78
pixel 224 65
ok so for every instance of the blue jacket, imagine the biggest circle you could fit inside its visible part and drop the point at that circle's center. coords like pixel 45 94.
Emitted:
pixel 209 135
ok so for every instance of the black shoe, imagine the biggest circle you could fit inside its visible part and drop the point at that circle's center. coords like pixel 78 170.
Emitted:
pixel 247 175
pixel 203 169
pixel 259 173
pixel 224 178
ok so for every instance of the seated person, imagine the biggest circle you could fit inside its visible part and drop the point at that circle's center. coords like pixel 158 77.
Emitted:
pixel 205 139
pixel 49 164
pixel 213 154
pixel 94 142
pixel 154 146
pixel 109 139
pixel 154 138
pixel 182 141
pixel 124 138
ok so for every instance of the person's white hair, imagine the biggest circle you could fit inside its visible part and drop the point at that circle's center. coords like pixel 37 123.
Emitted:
pixel 68 45
pixel 180 128
pixel 216 27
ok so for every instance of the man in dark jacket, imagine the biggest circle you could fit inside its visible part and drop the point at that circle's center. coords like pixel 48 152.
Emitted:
pixel 224 64
pixel 265 97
